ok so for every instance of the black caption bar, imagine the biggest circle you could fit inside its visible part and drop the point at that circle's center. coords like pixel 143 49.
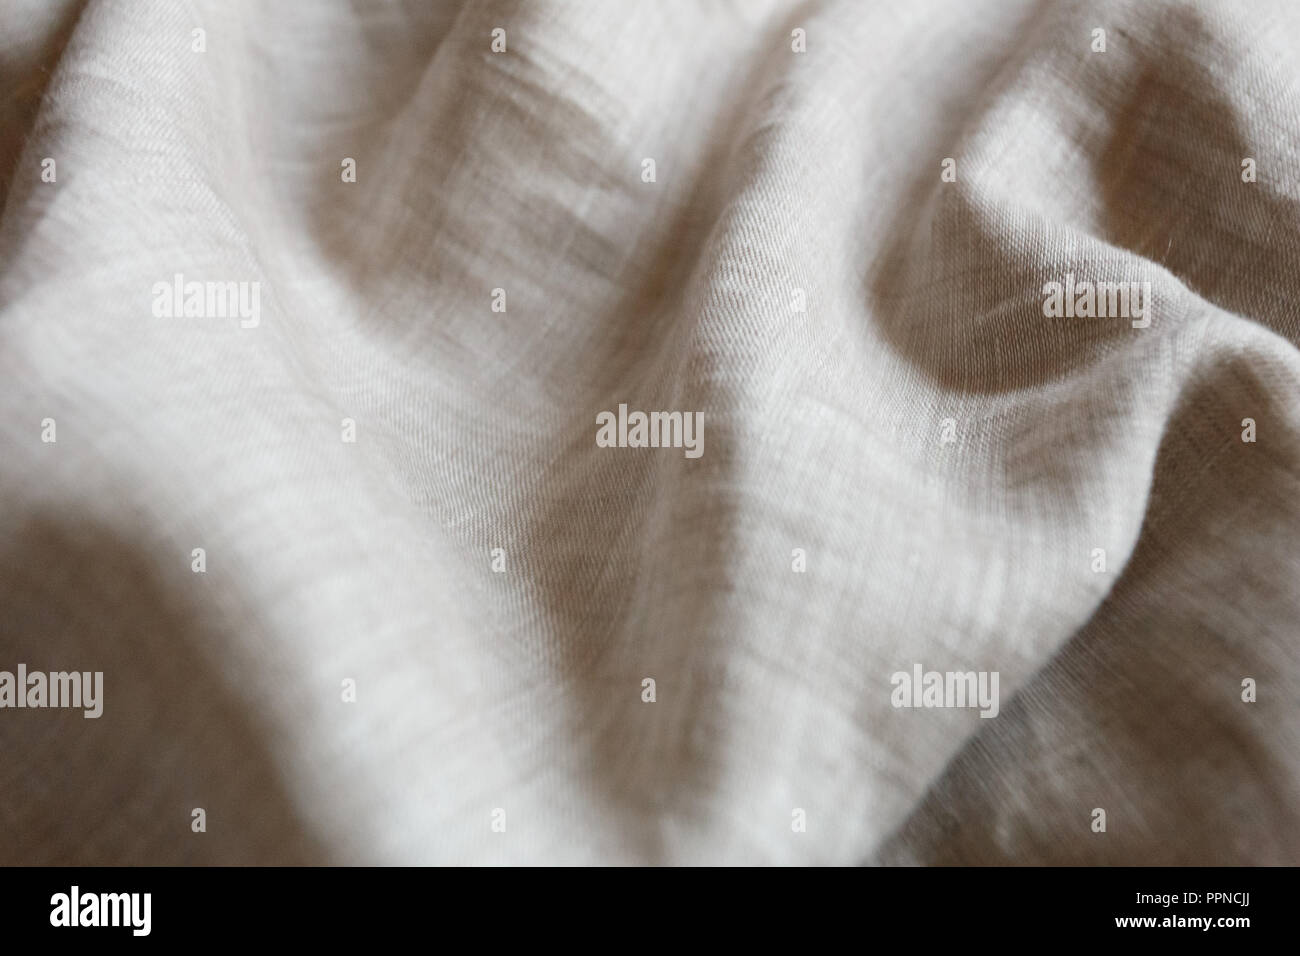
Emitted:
pixel 147 906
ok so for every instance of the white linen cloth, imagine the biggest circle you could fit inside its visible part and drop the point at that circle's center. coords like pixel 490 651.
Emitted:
pixel 499 714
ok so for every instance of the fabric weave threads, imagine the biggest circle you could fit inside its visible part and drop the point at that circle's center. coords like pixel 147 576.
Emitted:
pixel 365 587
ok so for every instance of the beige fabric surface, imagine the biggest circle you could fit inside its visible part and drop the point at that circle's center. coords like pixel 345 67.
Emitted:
pixel 967 545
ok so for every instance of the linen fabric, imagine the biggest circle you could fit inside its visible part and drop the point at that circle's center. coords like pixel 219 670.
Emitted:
pixel 904 461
